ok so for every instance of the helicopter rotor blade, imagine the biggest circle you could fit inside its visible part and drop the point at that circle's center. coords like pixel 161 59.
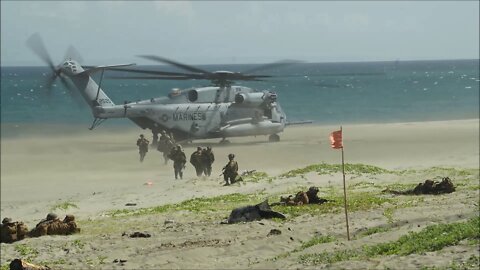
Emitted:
pixel 153 72
pixel 277 64
pixel 49 83
pixel 150 78
pixel 35 43
pixel 173 63
pixel 71 91
pixel 72 53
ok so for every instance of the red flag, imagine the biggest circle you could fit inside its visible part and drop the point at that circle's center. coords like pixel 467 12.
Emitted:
pixel 336 139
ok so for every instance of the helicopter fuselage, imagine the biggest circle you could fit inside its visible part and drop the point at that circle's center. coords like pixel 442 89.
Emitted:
pixel 189 115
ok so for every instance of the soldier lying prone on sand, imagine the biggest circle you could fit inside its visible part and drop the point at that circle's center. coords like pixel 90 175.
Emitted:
pixel 308 197
pixel 53 225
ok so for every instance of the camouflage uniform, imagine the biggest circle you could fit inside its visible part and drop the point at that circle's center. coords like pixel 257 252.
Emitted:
pixel 18 264
pixel 142 144
pixel 52 225
pixel 196 161
pixel 179 160
pixel 230 170
pixel 434 187
pixel 165 145
pixel 12 231
pixel 207 159
pixel 313 198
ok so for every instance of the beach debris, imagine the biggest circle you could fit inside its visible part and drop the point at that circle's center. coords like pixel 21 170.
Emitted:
pixel 428 187
pixel 274 232
pixel 301 198
pixel 138 235
pixel 148 183
pixel 52 225
pixel 130 204
pixel 18 264
pixel 121 262
pixel 253 212
pixel 169 221
pixel 11 231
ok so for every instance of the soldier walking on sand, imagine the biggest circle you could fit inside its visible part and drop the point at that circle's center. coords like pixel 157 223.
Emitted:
pixel 207 159
pixel 165 145
pixel 196 161
pixel 230 171
pixel 179 160
pixel 142 144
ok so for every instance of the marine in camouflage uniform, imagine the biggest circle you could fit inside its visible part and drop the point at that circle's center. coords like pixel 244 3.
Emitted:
pixel 434 187
pixel 165 145
pixel 179 160
pixel 142 144
pixel 207 159
pixel 309 197
pixel 12 231
pixel 196 161
pixel 230 171
pixel 313 198
pixel 52 225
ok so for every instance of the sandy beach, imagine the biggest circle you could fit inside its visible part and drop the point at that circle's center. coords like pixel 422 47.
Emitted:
pixel 91 174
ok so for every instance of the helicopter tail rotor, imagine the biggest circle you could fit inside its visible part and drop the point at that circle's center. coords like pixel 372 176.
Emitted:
pixel 36 44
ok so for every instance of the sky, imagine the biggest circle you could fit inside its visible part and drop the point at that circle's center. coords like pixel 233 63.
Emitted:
pixel 234 32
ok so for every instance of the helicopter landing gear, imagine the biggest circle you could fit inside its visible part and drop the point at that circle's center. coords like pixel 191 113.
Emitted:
pixel 224 141
pixel 274 138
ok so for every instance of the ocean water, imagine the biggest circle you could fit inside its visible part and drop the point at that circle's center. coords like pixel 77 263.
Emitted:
pixel 326 93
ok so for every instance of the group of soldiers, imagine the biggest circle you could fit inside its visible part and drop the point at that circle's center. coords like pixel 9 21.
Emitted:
pixel 12 231
pixel 202 159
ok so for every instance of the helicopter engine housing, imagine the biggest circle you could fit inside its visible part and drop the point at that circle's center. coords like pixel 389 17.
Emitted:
pixel 250 99
pixel 192 95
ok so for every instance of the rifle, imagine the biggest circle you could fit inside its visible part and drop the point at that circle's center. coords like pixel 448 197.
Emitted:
pixel 223 171
pixel 247 173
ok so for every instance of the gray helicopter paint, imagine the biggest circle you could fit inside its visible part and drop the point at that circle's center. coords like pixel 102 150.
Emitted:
pixel 87 86
pixel 199 118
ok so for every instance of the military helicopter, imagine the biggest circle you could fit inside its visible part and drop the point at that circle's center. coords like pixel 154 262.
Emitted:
pixel 222 110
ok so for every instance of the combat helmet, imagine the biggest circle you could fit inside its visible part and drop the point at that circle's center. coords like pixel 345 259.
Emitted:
pixel 69 218
pixel 313 189
pixel 231 156
pixel 6 220
pixel 52 216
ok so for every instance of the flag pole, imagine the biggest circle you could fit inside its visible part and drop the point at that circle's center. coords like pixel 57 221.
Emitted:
pixel 345 191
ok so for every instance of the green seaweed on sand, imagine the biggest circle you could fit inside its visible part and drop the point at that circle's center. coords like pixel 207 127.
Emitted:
pixel 432 238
